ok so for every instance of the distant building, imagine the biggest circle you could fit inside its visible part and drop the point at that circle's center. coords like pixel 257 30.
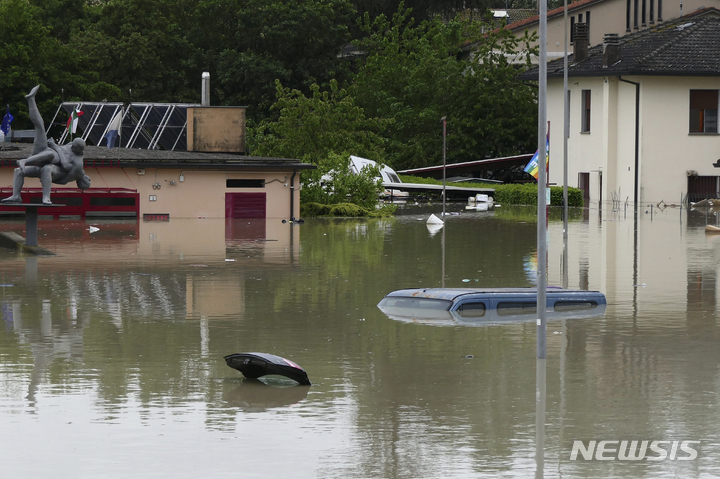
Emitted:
pixel 643 113
pixel 621 17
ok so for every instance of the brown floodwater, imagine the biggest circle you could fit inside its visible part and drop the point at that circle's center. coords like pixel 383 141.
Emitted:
pixel 111 352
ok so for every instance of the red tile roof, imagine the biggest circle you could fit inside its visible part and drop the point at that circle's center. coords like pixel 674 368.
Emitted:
pixel 551 13
pixel 687 46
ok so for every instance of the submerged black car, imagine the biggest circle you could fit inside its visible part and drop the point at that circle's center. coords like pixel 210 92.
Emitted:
pixel 478 306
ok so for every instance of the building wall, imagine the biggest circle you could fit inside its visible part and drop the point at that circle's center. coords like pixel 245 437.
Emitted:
pixel 200 195
pixel 624 185
pixel 584 149
pixel 667 151
pixel 610 17
pixel 216 129
pixel 605 17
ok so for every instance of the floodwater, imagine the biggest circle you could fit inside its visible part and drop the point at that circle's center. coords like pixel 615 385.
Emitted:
pixel 111 352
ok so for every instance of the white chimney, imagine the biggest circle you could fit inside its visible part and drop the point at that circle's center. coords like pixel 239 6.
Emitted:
pixel 205 94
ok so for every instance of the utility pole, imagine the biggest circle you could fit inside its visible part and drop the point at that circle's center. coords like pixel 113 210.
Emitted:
pixel 566 135
pixel 444 124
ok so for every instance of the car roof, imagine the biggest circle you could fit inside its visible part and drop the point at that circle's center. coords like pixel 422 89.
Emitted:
pixel 453 294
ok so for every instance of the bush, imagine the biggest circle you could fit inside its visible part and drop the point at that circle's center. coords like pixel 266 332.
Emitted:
pixel 333 183
pixel 424 181
pixel 575 196
pixel 513 194
pixel 527 195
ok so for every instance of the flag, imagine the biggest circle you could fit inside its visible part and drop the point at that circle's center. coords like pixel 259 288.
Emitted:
pixel 7 119
pixel 532 166
pixel 114 129
pixel 73 120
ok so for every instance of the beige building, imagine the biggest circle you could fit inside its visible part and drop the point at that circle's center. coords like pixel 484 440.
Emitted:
pixel 176 184
pixel 643 114
pixel 607 16
pixel 211 179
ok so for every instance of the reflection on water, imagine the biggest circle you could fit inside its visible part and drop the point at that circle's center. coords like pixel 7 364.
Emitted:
pixel 111 352
pixel 254 395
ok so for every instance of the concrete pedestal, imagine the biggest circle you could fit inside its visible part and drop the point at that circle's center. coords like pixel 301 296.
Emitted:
pixel 31 219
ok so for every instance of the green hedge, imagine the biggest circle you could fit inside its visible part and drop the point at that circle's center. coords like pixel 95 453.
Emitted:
pixel 529 214
pixel 427 181
pixel 515 194
pixel 527 195
pixel 347 210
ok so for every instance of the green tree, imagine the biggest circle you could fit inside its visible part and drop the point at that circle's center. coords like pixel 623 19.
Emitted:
pixel 324 129
pixel 140 48
pixel 64 17
pixel 248 44
pixel 333 182
pixel 421 9
pixel 414 74
pixel 30 55
pixel 493 114
pixel 310 128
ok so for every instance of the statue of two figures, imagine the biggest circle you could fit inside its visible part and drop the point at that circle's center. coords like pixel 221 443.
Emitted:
pixel 49 162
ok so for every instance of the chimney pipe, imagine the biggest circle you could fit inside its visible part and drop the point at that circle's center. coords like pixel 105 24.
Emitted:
pixel 581 36
pixel 205 93
pixel 611 49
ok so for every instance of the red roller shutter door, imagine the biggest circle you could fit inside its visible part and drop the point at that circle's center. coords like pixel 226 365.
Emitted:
pixel 245 205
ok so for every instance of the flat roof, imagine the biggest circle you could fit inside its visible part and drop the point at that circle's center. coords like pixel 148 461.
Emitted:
pixel 468 164
pixel 99 156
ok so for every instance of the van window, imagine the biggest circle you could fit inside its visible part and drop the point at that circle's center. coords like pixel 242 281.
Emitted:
pixel 415 303
pixel 574 305
pixel 471 310
pixel 508 308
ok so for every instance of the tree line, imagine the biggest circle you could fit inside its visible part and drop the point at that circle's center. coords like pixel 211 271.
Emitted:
pixel 320 78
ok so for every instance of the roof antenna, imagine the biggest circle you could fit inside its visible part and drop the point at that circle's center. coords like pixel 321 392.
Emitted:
pixel 205 93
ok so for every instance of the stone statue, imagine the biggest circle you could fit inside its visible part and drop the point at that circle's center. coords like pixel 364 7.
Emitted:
pixel 49 162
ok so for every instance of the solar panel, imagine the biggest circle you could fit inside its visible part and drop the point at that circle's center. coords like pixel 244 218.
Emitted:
pixel 154 126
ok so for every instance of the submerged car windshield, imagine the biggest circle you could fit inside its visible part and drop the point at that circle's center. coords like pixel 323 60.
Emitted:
pixel 421 304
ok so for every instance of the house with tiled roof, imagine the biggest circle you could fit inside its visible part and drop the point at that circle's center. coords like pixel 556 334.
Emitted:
pixel 643 114
pixel 621 17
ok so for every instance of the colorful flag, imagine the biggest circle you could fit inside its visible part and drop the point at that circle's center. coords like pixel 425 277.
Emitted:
pixel 114 129
pixel 532 167
pixel 7 119
pixel 72 122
